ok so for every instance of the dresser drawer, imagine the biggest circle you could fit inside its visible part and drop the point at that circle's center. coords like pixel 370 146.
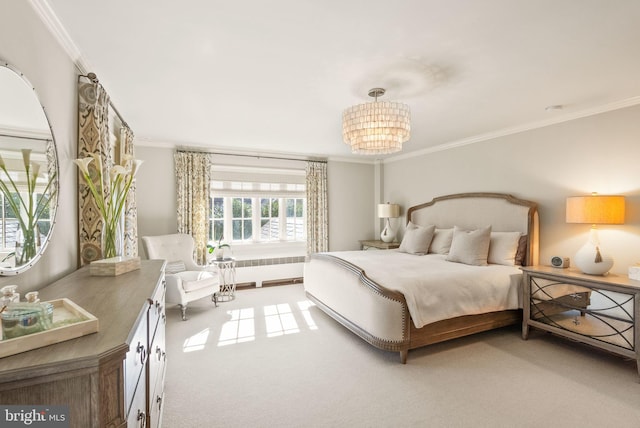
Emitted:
pixel 158 355
pixel 137 416
pixel 157 310
pixel 156 402
pixel 135 361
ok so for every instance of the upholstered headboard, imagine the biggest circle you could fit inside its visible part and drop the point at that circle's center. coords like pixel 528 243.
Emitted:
pixel 503 212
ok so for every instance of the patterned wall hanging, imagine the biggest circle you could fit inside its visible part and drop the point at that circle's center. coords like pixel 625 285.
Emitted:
pixel 94 137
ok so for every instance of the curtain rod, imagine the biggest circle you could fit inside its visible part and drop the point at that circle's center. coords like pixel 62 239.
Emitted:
pixel 249 156
pixel 26 138
pixel 94 79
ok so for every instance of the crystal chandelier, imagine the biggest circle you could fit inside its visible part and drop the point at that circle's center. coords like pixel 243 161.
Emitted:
pixel 376 127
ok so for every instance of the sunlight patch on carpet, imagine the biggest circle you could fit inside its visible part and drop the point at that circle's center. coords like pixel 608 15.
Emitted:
pixel 196 342
pixel 241 327
pixel 304 309
pixel 279 320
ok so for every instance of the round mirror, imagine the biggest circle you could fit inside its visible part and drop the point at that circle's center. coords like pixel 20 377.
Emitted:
pixel 28 174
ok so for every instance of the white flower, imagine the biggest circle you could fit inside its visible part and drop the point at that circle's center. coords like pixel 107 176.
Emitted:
pixel 83 164
pixel 26 157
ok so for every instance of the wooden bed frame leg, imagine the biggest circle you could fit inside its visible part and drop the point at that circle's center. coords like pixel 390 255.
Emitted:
pixel 403 356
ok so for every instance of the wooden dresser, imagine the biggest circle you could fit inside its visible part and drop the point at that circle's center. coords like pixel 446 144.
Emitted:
pixel 112 378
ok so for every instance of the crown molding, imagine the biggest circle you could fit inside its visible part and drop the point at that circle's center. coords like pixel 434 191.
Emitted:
pixel 628 102
pixel 51 21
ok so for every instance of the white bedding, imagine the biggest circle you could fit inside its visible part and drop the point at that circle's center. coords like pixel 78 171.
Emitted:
pixel 436 289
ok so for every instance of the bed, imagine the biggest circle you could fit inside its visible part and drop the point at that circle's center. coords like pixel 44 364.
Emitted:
pixel 375 294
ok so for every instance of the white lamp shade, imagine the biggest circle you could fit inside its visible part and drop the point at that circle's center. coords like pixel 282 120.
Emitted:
pixel 388 210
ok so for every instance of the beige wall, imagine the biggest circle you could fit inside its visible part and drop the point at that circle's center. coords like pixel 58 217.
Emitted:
pixel 156 192
pixel 600 154
pixel 351 204
pixel 26 44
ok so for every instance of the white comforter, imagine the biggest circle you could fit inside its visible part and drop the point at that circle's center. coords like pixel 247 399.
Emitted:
pixel 436 289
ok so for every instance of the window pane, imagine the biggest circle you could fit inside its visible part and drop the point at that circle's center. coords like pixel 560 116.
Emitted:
pixel 274 208
pixel 264 208
pixel 236 208
pixel 247 208
pixel 290 207
pixel 218 229
pixel 218 208
pixel 247 229
pixel 237 229
pixel 7 206
pixel 299 208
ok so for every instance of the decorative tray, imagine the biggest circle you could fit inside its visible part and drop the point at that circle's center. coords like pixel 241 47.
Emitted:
pixel 69 321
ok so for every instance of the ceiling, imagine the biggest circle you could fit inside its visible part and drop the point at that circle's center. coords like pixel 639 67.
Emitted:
pixel 274 76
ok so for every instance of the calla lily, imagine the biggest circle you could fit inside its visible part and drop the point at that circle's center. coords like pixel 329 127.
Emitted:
pixel 83 164
pixel 98 159
pixel 135 166
pixel 26 157
pixel 35 170
pixel 111 200
pixel 117 170
pixel 24 202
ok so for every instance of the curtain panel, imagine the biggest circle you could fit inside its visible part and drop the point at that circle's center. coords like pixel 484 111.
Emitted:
pixel 93 138
pixel 131 207
pixel 193 186
pixel 317 208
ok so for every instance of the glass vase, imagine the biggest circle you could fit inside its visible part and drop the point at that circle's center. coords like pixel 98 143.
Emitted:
pixel 112 238
pixel 26 245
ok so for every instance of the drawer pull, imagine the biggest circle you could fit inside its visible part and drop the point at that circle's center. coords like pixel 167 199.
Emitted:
pixel 143 353
pixel 158 353
pixel 159 402
pixel 142 419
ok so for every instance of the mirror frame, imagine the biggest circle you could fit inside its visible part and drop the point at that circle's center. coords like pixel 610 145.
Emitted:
pixel 53 208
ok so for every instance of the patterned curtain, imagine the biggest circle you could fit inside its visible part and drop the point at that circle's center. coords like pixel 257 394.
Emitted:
pixel 93 137
pixel 131 208
pixel 317 208
pixel 193 185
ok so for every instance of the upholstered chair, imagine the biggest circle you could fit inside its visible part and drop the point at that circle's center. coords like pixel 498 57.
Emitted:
pixel 186 280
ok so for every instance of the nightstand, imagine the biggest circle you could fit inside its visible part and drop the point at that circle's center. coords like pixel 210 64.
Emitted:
pixel 602 311
pixel 378 245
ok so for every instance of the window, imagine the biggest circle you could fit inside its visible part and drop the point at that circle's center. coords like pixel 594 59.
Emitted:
pixel 269 219
pixel 216 224
pixel 295 219
pixel 250 204
pixel 241 220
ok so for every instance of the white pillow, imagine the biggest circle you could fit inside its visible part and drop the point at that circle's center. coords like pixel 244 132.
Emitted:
pixel 470 247
pixel 441 241
pixel 503 248
pixel 416 239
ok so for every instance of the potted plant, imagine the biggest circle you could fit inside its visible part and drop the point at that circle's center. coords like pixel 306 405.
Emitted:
pixel 218 249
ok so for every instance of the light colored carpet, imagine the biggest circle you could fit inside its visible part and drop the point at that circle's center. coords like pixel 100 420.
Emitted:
pixel 267 360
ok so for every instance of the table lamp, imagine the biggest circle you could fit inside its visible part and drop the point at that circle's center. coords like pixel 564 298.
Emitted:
pixel 388 211
pixel 594 209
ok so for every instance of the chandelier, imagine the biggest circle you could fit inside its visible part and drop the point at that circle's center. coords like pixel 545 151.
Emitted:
pixel 376 127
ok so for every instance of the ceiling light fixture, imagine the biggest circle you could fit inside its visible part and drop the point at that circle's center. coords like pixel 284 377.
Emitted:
pixel 376 127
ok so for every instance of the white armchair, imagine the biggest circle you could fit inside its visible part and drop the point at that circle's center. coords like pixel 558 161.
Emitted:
pixel 186 281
